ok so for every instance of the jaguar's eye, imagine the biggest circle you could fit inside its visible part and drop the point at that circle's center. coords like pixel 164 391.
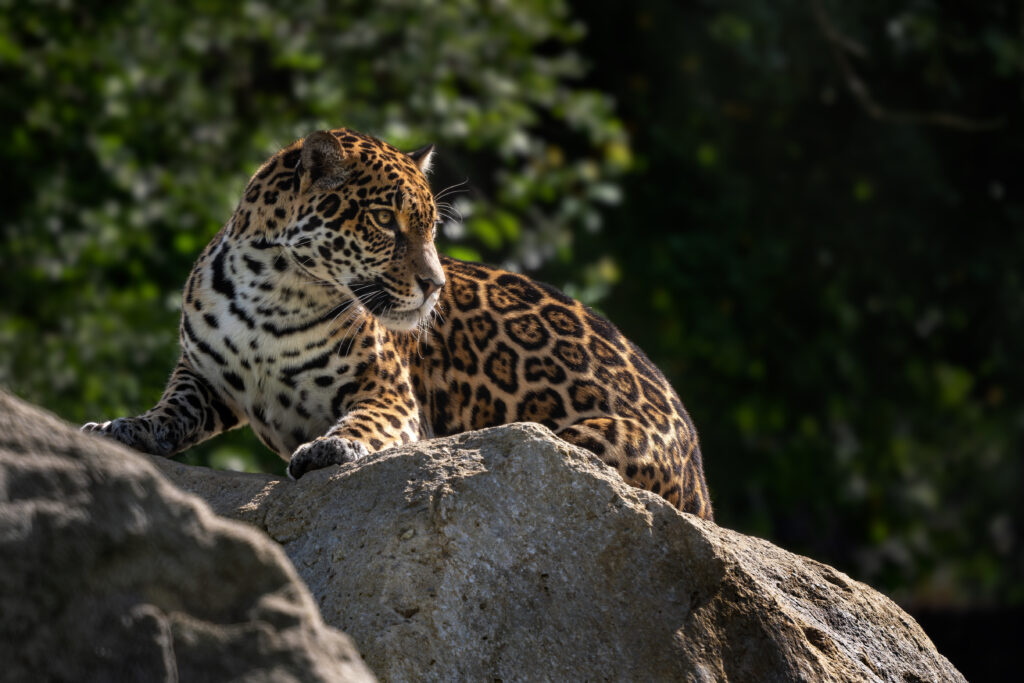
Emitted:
pixel 384 217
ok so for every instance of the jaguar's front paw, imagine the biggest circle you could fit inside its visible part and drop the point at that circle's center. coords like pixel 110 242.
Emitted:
pixel 324 451
pixel 132 432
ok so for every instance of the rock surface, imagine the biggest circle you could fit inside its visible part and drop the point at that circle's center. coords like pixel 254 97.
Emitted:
pixel 508 554
pixel 109 573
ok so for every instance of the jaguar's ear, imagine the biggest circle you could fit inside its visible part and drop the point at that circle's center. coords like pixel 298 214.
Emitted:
pixel 422 157
pixel 324 164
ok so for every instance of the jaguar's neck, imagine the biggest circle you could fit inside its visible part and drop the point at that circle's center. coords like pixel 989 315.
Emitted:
pixel 267 288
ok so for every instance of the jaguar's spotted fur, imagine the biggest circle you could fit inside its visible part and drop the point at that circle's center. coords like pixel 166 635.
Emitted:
pixel 322 315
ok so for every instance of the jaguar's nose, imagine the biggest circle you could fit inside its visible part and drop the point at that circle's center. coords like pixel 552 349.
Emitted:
pixel 429 285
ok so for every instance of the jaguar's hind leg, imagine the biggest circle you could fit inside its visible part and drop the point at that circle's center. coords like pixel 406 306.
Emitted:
pixel 670 467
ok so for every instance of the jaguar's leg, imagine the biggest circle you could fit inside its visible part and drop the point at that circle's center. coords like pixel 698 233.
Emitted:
pixel 189 411
pixel 375 420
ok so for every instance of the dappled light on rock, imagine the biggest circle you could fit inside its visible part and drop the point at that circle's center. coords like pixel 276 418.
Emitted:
pixel 509 554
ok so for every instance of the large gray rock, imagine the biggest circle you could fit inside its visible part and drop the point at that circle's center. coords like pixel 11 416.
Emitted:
pixel 108 573
pixel 508 554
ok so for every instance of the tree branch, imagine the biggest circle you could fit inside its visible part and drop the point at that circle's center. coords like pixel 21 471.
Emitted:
pixel 841 45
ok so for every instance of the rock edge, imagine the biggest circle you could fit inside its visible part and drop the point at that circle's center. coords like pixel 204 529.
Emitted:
pixel 111 573
pixel 509 554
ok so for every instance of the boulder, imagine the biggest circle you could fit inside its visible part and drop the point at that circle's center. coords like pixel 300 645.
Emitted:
pixel 507 554
pixel 109 573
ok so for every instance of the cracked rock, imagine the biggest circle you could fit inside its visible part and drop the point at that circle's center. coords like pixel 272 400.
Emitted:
pixel 509 554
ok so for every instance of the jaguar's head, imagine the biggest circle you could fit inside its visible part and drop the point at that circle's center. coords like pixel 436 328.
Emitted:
pixel 363 220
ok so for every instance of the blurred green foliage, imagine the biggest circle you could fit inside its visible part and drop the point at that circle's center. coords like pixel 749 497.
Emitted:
pixel 129 130
pixel 833 277
pixel 836 291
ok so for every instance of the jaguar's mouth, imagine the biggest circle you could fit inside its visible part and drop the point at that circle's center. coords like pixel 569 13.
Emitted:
pixel 372 296
pixel 382 305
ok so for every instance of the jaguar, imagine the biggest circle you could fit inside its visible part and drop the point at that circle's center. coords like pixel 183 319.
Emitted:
pixel 323 316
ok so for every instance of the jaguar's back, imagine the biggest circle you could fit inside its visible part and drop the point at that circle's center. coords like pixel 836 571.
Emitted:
pixel 322 316
pixel 509 349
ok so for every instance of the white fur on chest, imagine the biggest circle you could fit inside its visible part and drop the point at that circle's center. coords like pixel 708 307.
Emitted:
pixel 276 346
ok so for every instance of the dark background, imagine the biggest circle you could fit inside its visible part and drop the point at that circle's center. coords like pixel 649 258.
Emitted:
pixel 809 214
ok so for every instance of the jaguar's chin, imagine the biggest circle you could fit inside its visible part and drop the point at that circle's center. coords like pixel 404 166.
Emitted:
pixel 401 321
pixel 406 321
